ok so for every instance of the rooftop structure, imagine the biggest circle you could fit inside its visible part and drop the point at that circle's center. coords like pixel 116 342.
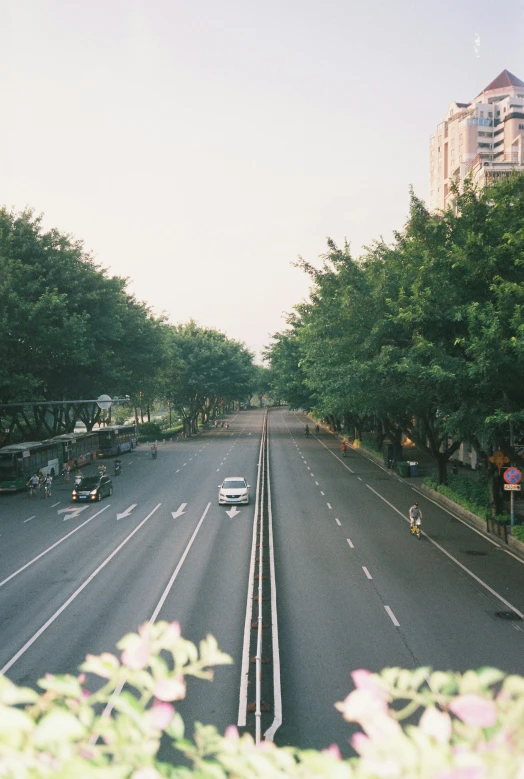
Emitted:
pixel 483 139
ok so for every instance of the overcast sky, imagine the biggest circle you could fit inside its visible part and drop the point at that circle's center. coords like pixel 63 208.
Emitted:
pixel 199 147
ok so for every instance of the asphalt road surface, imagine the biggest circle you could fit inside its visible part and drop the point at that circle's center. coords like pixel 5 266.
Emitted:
pixel 354 589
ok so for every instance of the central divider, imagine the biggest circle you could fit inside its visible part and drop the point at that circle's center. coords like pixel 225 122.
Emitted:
pixel 261 647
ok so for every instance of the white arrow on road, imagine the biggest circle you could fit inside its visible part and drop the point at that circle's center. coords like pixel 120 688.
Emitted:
pixel 127 512
pixel 72 511
pixel 233 511
pixel 179 511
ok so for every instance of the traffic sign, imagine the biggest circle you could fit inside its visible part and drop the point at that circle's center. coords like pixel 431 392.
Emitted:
pixel 513 487
pixel 512 476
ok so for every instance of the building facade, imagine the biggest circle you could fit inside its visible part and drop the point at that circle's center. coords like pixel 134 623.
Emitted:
pixel 483 140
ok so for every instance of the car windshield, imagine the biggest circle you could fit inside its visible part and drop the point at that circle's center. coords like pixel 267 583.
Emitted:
pixel 89 483
pixel 234 484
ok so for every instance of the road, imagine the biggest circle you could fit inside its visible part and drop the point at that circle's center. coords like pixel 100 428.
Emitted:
pixel 353 588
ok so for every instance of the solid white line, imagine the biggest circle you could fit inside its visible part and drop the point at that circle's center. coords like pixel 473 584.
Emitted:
pixel 30 518
pixel 77 592
pixel 337 520
pixel 49 548
pixel 393 618
pixel 457 562
pixel 244 670
pixel 179 566
pixel 366 572
pixel 349 542
pixel 277 687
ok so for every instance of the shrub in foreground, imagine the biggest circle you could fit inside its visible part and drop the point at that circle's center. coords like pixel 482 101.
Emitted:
pixel 461 726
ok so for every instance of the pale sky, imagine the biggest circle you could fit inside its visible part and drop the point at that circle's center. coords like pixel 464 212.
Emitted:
pixel 199 147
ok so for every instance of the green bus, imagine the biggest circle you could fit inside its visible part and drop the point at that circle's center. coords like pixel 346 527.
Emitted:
pixel 19 461
pixel 78 449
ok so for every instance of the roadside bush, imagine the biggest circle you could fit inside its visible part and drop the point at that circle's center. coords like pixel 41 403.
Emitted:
pixel 518 532
pixel 460 725
pixel 466 497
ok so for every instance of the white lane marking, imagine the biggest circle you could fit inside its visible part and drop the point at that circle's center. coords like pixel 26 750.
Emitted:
pixel 55 504
pixel 244 669
pixel 337 520
pixel 359 478
pixel 77 592
pixel 179 511
pixel 329 506
pixel 49 548
pixel 30 518
pixel 179 566
pixel 460 565
pixel 335 455
pixel 393 618
pixel 277 686
pixel 233 511
pixel 72 512
pixel 322 493
pixel 366 572
pixel 317 483
pixel 184 465
pixel 350 543
pixel 177 470
pixel 127 512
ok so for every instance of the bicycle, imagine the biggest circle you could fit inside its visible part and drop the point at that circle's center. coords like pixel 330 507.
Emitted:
pixel 415 527
pixel 65 476
pixel 32 488
pixel 47 490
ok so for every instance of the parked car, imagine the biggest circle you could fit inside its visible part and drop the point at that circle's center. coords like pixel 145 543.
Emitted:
pixel 234 489
pixel 92 488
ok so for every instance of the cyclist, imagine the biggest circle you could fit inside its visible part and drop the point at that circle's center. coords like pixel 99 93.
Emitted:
pixel 415 515
pixel 154 450
pixel 65 473
pixel 317 429
pixel 343 448
pixel 48 481
pixel 33 483
pixel 307 429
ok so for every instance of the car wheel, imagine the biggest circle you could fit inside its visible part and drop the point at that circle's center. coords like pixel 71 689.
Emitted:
pixel 110 491
pixel 99 496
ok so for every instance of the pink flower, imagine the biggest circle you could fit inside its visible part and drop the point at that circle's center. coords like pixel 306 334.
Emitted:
pixel 231 733
pixel 365 680
pixel 436 724
pixel 334 751
pixel 173 632
pixel 136 654
pixel 362 705
pixel 170 689
pixel 360 743
pixel 160 715
pixel 474 710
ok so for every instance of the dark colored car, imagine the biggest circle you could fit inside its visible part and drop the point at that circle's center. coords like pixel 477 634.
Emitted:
pixel 92 488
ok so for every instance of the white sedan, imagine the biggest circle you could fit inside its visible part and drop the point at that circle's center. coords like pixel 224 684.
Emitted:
pixel 234 489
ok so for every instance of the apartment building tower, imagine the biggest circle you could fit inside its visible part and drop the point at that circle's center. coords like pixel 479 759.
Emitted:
pixel 482 139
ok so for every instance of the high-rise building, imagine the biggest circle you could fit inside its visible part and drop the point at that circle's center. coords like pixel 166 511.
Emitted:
pixel 483 139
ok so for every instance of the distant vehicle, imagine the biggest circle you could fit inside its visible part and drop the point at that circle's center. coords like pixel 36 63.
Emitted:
pixel 20 461
pixel 77 448
pixel 234 489
pixel 116 440
pixel 92 488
